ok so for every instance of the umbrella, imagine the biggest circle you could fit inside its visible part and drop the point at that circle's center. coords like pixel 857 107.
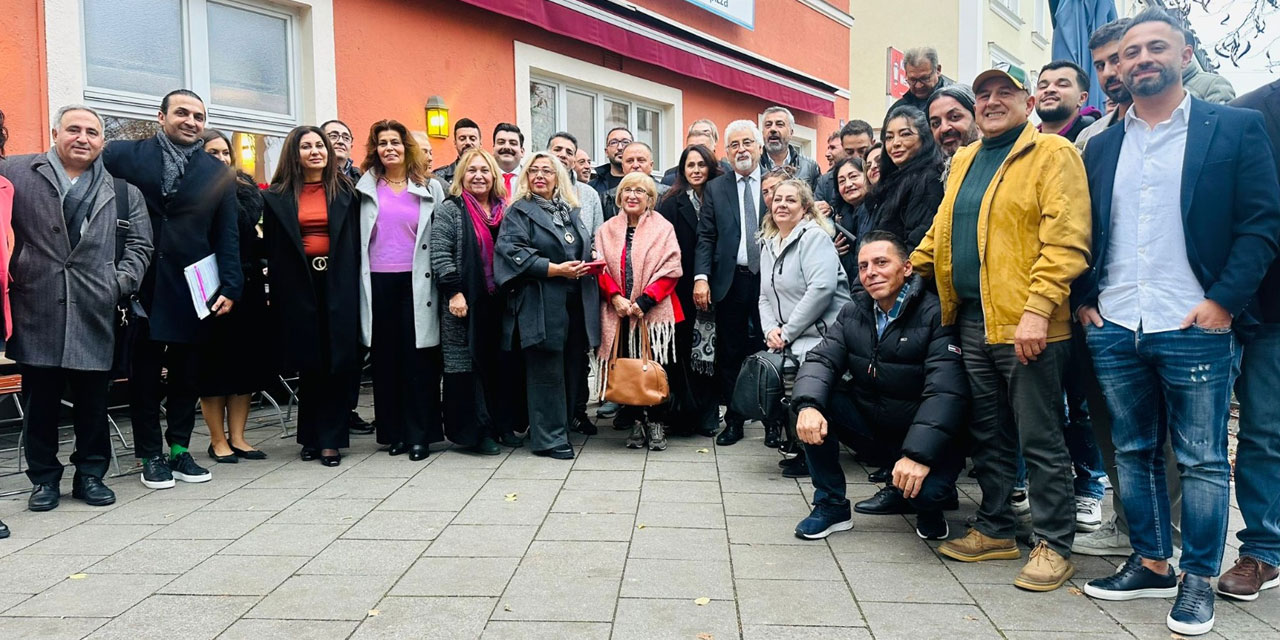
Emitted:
pixel 1073 22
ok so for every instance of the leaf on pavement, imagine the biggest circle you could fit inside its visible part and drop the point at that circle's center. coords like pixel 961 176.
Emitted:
pixel 374 612
pixel 704 450
pixel 702 602
pixel 510 497
pixel 704 636
pixel 1075 592
pixel 78 576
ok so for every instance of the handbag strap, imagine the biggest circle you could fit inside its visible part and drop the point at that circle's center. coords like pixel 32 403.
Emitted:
pixel 617 336
pixel 646 350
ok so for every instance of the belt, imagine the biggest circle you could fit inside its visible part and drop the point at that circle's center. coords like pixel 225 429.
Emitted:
pixel 320 263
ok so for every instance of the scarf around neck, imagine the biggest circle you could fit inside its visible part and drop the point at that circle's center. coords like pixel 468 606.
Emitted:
pixel 175 157
pixel 482 225
pixel 77 197
pixel 557 208
pixel 655 254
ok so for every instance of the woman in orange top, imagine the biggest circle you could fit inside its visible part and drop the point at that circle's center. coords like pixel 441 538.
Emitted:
pixel 310 229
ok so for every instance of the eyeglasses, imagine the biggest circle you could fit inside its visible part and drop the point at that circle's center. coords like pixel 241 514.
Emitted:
pixel 544 171
pixel 740 144
pixel 334 136
pixel 921 80
pixel 618 143
pixel 635 191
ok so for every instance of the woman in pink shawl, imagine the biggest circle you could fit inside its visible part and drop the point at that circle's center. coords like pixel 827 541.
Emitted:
pixel 642 267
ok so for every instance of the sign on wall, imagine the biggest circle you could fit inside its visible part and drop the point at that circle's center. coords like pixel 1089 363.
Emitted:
pixel 742 12
pixel 896 74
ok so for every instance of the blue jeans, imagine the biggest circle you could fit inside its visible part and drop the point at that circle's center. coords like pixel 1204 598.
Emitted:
pixel 1192 371
pixel 1258 456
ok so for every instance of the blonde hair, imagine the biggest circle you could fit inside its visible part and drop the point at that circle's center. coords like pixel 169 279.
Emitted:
pixel 633 179
pixel 564 187
pixel 497 191
pixel 769 228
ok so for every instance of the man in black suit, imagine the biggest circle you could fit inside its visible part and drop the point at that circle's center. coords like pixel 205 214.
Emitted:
pixel 728 261
pixel 191 199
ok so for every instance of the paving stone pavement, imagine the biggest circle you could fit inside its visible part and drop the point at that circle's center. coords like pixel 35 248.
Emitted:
pixel 693 542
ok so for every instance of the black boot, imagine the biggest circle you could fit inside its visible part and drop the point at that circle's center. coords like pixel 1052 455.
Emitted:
pixel 731 434
pixel 772 435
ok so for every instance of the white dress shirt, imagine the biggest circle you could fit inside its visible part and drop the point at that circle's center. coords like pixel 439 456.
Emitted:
pixel 741 181
pixel 1147 281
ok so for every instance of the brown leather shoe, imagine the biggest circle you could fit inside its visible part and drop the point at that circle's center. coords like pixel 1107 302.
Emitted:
pixel 1248 577
pixel 976 546
pixel 1045 570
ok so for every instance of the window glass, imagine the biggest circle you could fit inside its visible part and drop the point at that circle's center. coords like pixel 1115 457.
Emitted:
pixel 134 45
pixel 542 104
pixel 647 131
pixel 248 59
pixel 581 120
pixel 253 153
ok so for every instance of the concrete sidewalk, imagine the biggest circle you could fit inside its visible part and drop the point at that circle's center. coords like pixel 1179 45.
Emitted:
pixel 693 542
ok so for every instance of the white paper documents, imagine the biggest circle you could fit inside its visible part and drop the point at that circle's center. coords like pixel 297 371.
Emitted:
pixel 202 280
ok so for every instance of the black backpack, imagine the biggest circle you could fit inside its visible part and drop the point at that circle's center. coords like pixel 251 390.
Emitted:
pixel 759 391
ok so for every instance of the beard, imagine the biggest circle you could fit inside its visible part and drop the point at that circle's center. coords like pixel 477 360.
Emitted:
pixel 1055 114
pixel 1118 94
pixel 775 145
pixel 743 165
pixel 1152 86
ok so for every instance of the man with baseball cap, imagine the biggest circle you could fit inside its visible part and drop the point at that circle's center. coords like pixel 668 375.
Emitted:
pixel 1012 232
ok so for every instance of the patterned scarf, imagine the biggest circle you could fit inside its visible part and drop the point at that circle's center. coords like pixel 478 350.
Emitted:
pixel 703 358
pixel 558 209
pixel 175 158
pixel 482 225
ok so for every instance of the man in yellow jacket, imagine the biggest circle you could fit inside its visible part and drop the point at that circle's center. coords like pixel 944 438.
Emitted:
pixel 1011 234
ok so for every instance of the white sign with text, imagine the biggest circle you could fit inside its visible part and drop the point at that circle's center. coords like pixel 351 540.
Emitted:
pixel 742 12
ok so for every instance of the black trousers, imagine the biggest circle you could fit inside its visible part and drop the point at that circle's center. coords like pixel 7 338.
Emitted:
pixel 406 379
pixel 485 401
pixel 738 333
pixel 42 390
pixel 323 391
pixel 555 382
pixel 146 390
pixel 845 424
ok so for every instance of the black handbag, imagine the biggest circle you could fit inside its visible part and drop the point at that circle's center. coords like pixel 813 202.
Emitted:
pixel 761 386
pixel 129 313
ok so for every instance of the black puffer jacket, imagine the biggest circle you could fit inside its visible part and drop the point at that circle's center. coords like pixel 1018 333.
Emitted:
pixel 911 380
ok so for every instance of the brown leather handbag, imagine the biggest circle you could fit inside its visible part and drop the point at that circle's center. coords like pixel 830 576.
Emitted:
pixel 636 382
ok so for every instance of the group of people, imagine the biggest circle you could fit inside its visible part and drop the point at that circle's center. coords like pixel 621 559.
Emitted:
pixel 1063 304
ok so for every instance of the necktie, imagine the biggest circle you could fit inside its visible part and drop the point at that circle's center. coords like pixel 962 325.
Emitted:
pixel 506 180
pixel 752 218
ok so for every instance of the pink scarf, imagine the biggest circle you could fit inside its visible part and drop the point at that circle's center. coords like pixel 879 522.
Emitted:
pixel 483 236
pixel 655 254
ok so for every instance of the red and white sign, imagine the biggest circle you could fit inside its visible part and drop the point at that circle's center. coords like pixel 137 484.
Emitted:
pixel 896 74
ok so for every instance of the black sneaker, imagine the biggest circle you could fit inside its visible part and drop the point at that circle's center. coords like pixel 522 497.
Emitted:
pixel 932 525
pixel 156 473
pixel 823 521
pixel 1132 581
pixel 582 424
pixel 1192 612
pixel 185 469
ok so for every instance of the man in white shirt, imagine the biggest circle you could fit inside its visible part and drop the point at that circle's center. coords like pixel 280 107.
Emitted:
pixel 1186 210
pixel 728 261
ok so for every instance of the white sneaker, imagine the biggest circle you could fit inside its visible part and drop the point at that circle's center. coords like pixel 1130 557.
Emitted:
pixel 1106 540
pixel 1088 514
pixel 1106 483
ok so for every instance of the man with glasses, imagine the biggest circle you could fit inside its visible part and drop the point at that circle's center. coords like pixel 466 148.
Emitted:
pixel 924 76
pixel 727 266
pixel 340 138
pixel 609 174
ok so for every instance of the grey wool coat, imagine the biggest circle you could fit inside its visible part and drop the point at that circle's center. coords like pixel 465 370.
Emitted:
pixel 64 299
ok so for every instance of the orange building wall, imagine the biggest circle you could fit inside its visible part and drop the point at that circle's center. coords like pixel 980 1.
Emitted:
pixel 394 54
pixel 23 90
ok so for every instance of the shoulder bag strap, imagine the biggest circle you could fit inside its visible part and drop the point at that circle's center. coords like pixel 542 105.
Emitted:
pixel 122 216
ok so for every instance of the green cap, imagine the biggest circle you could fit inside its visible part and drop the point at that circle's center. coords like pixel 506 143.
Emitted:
pixel 1015 74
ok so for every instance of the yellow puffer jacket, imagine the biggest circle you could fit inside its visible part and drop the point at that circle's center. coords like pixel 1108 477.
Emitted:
pixel 1033 236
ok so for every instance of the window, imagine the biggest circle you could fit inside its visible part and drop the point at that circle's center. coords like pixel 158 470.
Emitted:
pixel 589 115
pixel 1009 10
pixel 1040 30
pixel 254 153
pixel 240 57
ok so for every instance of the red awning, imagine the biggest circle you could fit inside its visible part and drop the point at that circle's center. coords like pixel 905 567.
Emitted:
pixel 593 30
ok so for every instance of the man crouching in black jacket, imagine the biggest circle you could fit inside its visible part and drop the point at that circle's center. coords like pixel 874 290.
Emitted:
pixel 906 397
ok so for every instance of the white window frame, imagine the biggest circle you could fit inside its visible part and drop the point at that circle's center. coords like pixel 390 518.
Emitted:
pixel 534 63
pixel 1009 11
pixel 313 84
pixel 564 87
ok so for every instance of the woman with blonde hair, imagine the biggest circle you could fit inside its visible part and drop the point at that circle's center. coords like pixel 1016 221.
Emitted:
pixel 478 380
pixel 641 270
pixel 541 258
pixel 802 283
pixel 399 306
